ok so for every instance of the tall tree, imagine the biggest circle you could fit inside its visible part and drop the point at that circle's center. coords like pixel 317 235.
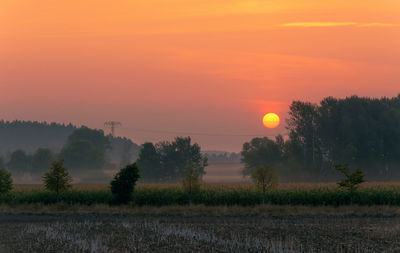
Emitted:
pixel 94 136
pixel 260 152
pixel 302 125
pixel 149 163
pixel 85 149
pixel 170 161
pixel 362 131
pixel 82 155
pixel 180 156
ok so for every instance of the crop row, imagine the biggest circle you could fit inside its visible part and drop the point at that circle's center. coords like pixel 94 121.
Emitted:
pixel 155 196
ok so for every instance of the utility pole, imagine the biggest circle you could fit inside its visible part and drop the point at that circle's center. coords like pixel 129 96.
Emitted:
pixel 112 125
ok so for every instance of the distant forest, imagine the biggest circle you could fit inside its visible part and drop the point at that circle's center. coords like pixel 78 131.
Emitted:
pixel 30 135
pixel 25 146
pixel 215 157
pixel 28 148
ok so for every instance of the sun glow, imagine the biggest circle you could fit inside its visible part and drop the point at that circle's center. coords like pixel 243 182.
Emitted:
pixel 271 120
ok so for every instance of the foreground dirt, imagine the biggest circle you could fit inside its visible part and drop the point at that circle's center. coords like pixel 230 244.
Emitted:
pixel 136 233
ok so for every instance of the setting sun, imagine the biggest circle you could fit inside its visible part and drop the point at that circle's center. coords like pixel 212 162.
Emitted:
pixel 271 120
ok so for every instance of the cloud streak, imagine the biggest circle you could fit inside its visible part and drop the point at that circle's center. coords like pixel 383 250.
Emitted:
pixel 318 24
pixel 337 24
pixel 379 25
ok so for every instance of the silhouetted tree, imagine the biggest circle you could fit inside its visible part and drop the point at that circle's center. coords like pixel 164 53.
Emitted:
pixel 170 161
pixel 179 156
pixel 85 149
pixel 303 127
pixel 261 151
pixel 149 163
pixel 82 155
pixel 94 136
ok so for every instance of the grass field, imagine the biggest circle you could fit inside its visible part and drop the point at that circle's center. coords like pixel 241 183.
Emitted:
pixel 222 186
pixel 232 194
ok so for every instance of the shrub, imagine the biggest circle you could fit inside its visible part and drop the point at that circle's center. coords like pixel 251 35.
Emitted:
pixel 265 179
pixel 5 181
pixel 58 178
pixel 124 182
pixel 352 180
pixel 191 181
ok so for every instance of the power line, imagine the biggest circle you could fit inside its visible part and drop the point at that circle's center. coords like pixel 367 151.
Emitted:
pixel 197 133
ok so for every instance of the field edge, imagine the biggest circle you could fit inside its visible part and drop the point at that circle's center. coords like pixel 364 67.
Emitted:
pixel 202 210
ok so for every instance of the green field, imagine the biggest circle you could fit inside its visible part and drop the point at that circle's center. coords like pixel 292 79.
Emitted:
pixel 214 195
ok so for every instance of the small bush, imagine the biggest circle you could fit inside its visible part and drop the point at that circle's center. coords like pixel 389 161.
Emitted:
pixel 5 181
pixel 265 179
pixel 123 183
pixel 352 180
pixel 191 181
pixel 58 178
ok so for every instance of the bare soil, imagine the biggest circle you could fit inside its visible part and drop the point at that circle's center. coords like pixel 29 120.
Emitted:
pixel 153 233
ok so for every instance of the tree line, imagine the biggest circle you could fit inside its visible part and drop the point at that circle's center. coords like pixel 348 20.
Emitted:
pixel 85 150
pixel 31 135
pixel 222 157
pixel 30 139
pixel 361 131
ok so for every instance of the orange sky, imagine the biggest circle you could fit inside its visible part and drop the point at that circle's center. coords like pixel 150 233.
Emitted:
pixel 202 66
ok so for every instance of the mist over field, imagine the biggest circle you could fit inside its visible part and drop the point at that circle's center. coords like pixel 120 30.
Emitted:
pixel 28 148
pixel 360 131
pixel 199 126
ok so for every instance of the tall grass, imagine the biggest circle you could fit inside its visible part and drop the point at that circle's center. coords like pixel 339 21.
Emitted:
pixel 215 195
pixel 45 197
